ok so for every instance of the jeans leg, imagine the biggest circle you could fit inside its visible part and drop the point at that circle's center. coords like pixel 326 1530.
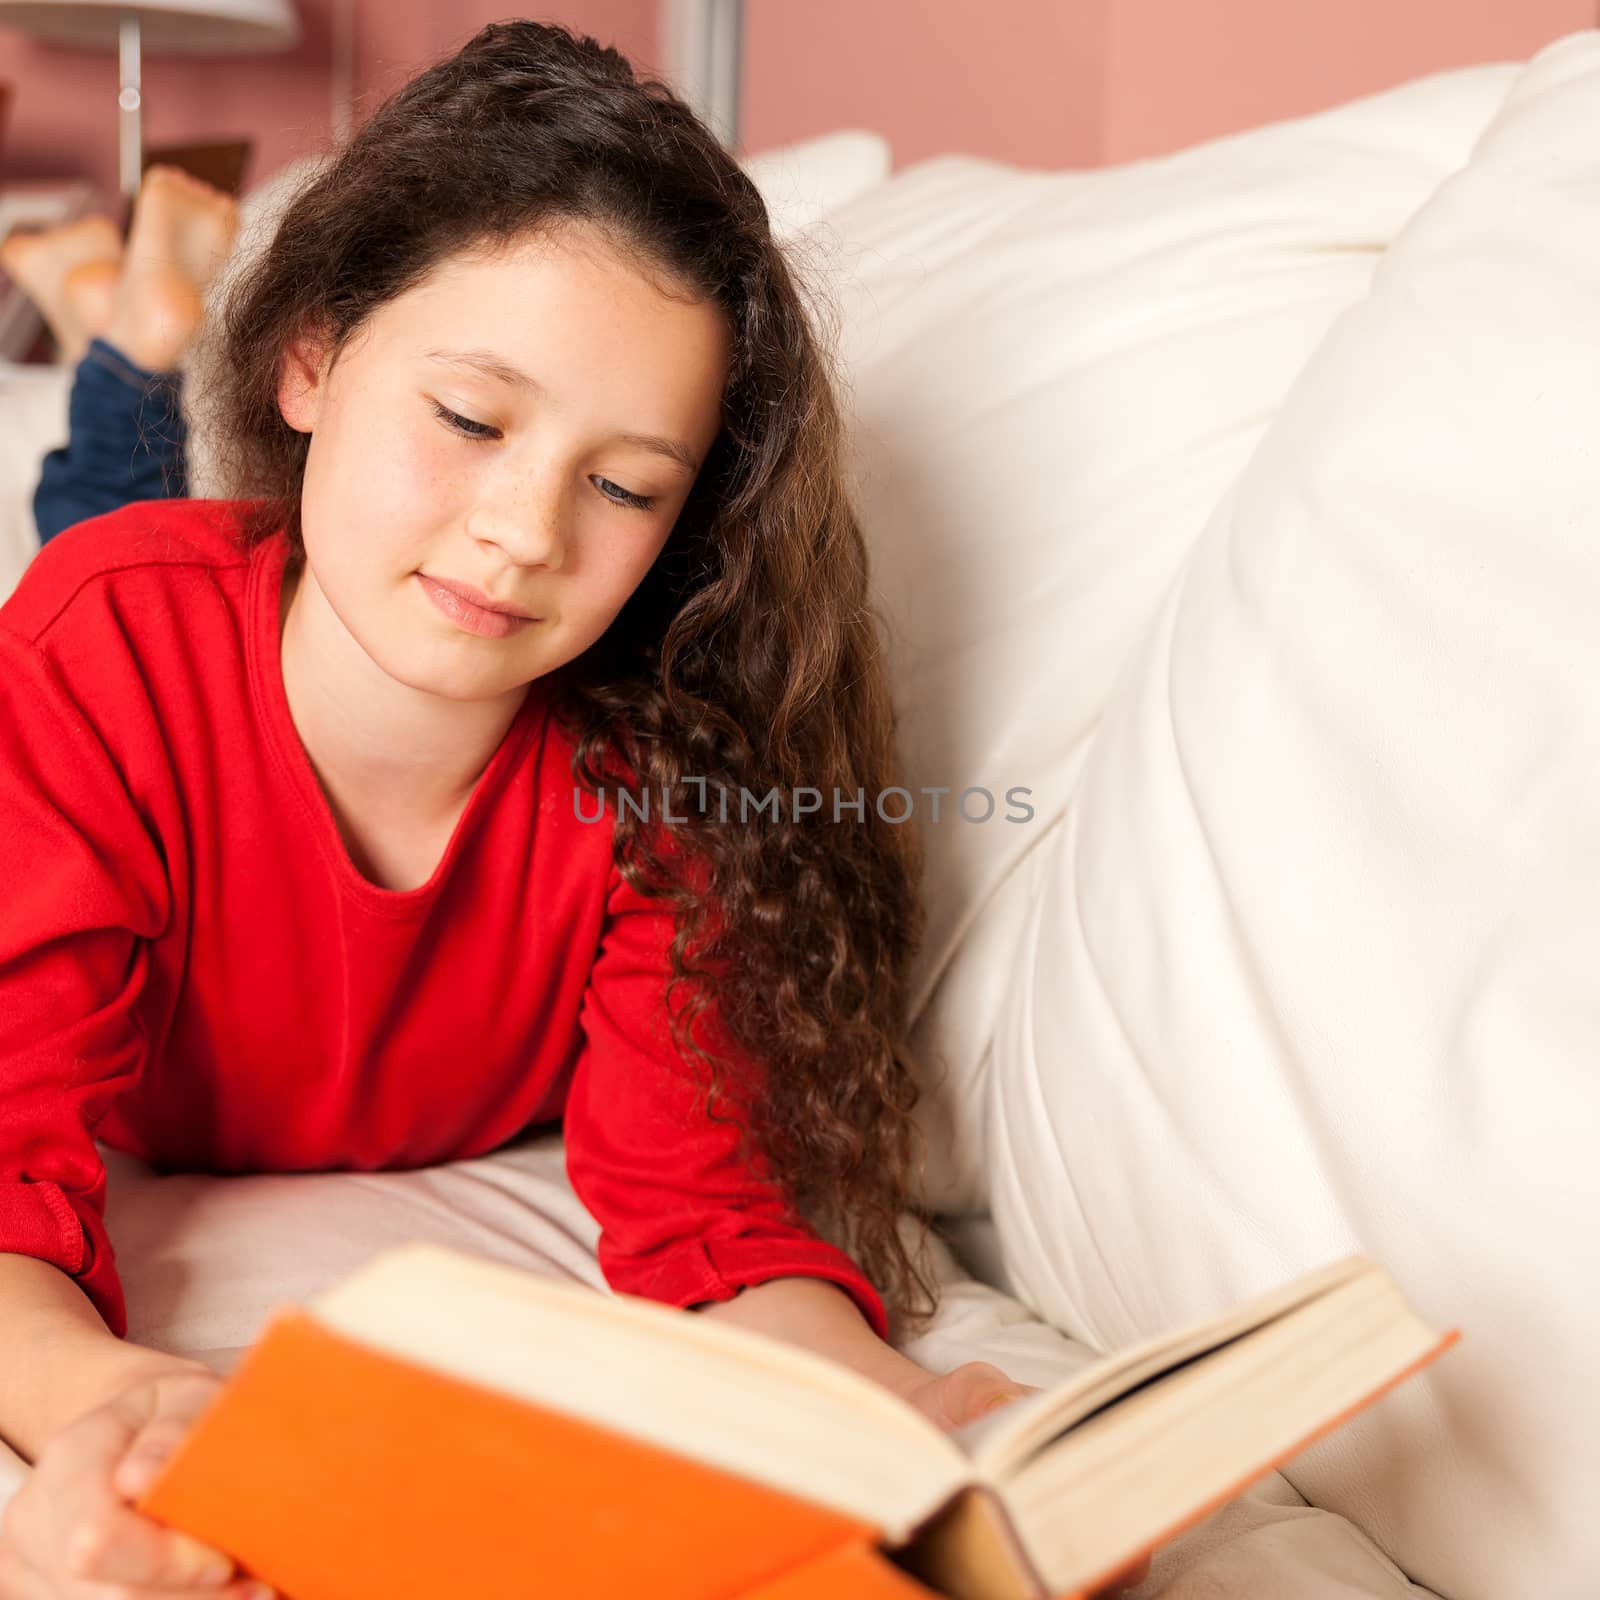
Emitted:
pixel 125 442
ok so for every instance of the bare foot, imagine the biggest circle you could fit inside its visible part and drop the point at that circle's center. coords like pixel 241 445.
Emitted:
pixel 89 291
pixel 42 263
pixel 181 232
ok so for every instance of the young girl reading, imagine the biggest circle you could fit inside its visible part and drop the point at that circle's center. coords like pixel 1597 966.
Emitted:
pixel 460 776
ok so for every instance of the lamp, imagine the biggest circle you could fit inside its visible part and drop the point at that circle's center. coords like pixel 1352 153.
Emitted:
pixel 167 27
pixel 702 45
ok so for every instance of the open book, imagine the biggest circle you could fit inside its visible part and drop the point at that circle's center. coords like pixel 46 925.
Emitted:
pixel 441 1425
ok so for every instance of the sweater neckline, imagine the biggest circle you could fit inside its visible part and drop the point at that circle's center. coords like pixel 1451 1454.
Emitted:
pixel 269 561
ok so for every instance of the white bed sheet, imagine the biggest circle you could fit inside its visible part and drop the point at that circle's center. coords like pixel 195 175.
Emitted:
pixel 205 1259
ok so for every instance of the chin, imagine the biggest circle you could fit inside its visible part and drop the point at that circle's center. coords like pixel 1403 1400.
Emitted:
pixel 432 673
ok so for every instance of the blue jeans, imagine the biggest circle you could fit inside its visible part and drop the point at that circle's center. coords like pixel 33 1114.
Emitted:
pixel 125 441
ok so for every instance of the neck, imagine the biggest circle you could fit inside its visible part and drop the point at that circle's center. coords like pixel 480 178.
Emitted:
pixel 381 750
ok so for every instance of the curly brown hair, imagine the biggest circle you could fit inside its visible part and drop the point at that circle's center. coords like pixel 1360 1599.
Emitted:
pixel 748 660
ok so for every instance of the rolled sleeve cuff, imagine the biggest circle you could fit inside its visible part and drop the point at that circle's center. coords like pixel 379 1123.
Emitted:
pixel 112 360
pixel 38 1219
pixel 716 1269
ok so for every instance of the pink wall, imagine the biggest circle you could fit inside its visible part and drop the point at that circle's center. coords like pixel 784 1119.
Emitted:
pixel 412 33
pixel 1037 82
pixel 1019 80
pixel 1090 82
pixel 63 117
pixel 1179 73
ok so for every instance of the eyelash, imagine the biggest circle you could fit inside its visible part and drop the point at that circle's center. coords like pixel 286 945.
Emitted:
pixel 468 429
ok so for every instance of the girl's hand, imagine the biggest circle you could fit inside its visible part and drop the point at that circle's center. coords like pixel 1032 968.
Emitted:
pixel 969 1391
pixel 70 1532
pixel 964 1393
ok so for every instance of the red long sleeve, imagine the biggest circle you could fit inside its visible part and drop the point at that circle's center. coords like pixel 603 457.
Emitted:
pixel 683 1221
pixel 84 893
pixel 192 968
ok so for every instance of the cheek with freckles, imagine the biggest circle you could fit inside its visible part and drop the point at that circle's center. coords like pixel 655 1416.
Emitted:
pixel 613 564
pixel 425 469
pixel 394 487
pixel 374 495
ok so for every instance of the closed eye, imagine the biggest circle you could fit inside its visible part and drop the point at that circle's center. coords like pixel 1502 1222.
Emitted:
pixel 463 425
pixel 623 498
pixel 469 429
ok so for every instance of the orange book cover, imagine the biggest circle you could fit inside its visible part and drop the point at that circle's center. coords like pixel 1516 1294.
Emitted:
pixel 336 1471
pixel 321 1475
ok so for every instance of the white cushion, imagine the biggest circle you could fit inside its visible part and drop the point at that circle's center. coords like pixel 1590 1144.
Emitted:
pixel 801 183
pixel 1054 376
pixel 33 420
pixel 1310 963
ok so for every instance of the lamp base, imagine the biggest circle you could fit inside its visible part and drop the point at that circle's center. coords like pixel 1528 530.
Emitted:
pixel 129 104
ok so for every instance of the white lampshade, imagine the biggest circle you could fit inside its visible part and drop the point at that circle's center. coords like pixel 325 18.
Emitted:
pixel 167 27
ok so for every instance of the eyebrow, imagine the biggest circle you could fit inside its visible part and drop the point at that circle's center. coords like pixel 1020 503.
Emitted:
pixel 493 366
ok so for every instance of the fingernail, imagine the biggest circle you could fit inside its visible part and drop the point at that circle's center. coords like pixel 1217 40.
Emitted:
pixel 138 1473
pixel 80 1546
pixel 995 1404
pixel 205 1565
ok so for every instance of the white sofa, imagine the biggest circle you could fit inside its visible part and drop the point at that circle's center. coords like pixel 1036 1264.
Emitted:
pixel 1241 505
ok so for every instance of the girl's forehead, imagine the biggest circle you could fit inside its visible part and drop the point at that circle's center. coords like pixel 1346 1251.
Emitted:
pixel 572 246
pixel 557 289
pixel 571 265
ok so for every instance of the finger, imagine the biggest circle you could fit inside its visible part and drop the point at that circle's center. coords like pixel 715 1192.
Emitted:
pixel 993 1400
pixel 103 1539
pixel 972 1389
pixel 20 1581
pixel 122 1548
pixel 17 1580
pixel 239 1589
pixel 983 1387
pixel 147 1453
pixel 972 1376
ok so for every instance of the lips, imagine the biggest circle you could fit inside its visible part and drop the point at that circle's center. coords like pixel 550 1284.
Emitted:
pixel 476 597
pixel 468 614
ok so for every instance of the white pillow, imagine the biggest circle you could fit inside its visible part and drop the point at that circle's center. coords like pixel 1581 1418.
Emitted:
pixel 33 421
pixel 802 183
pixel 1055 376
pixel 1310 965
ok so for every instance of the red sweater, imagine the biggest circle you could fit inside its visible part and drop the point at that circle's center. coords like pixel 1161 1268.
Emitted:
pixel 193 970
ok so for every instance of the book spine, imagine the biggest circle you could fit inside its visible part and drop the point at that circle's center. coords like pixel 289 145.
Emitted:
pixel 970 1550
pixel 855 1571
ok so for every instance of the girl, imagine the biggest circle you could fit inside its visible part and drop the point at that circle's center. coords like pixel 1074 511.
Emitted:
pixel 298 793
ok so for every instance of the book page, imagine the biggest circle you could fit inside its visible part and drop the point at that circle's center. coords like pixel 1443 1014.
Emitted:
pixel 752 1405
pixel 1141 1471
pixel 997 1443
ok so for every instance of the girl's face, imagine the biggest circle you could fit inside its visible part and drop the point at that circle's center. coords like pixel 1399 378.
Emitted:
pixel 525 424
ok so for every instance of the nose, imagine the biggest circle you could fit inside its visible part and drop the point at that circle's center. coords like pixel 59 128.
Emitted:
pixel 526 518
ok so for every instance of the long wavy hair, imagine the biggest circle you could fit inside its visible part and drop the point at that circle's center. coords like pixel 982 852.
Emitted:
pixel 749 660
